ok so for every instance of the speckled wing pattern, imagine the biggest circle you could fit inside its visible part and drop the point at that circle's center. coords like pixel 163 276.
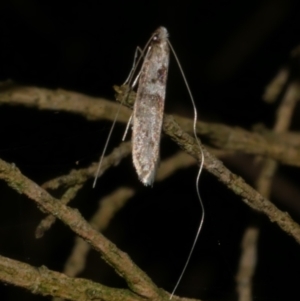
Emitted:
pixel 149 107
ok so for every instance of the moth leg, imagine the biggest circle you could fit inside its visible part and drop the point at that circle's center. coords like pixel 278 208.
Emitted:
pixel 137 57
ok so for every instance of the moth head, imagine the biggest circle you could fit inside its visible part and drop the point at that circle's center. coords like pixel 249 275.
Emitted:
pixel 160 34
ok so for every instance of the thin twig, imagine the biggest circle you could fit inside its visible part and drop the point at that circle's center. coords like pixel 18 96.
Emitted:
pixel 236 184
pixel 229 138
pixel 75 180
pixel 45 282
pixel 264 183
pixel 50 219
pixel 108 207
pixel 80 176
pixel 247 264
pixel 92 108
pixel 136 279
pixel 249 195
pixel 111 204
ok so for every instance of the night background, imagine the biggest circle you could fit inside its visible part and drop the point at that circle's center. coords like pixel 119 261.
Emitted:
pixel 230 51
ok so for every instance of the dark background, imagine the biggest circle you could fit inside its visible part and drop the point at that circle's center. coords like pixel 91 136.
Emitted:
pixel 230 51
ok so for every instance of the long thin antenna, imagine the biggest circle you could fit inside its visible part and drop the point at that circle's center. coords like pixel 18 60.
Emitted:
pixel 106 144
pixel 127 81
pixel 198 175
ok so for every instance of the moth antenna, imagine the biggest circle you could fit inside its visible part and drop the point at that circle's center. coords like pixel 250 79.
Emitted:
pixel 198 175
pixel 106 144
pixel 127 128
pixel 127 81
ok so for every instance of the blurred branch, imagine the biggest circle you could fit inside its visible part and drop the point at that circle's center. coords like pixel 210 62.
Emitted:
pixel 92 108
pixel 283 121
pixel 187 143
pixel 80 176
pixel 247 264
pixel 111 204
pixel 75 179
pixel 249 195
pixel 45 282
pixel 136 279
pixel 108 207
pixel 264 182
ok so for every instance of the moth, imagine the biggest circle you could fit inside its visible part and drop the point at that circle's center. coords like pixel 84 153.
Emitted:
pixel 147 116
pixel 148 108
